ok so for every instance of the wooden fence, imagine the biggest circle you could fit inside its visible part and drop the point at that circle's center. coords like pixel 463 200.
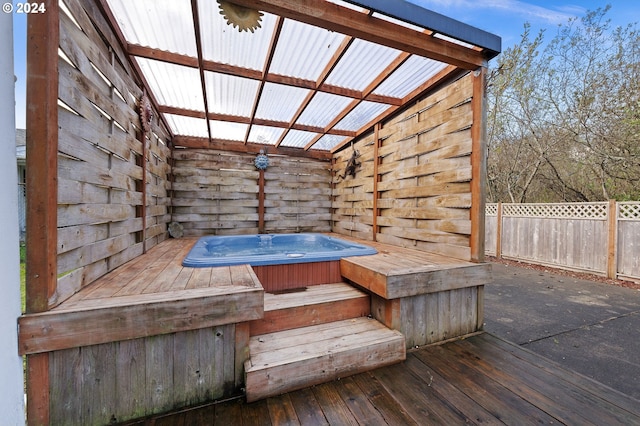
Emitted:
pixel 601 238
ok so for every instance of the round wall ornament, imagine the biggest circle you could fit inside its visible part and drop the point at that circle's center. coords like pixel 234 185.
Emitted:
pixel 240 17
pixel 262 161
pixel 146 112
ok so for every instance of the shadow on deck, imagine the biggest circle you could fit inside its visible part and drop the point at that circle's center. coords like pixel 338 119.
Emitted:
pixel 478 380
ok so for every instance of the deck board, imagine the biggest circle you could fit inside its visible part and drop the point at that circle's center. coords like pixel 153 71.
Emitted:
pixel 480 380
pixel 396 272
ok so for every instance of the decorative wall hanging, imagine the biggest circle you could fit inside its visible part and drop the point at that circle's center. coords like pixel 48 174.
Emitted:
pixel 262 161
pixel 352 165
pixel 146 113
pixel 240 17
pixel 176 230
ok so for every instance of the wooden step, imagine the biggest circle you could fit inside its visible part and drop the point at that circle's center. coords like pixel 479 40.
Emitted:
pixel 311 305
pixel 288 360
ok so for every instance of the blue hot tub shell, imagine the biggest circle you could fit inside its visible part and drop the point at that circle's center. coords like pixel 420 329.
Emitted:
pixel 271 249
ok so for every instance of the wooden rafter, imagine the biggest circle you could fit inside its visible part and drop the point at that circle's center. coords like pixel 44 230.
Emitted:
pixel 394 65
pixel 196 27
pixel 338 54
pixel 267 64
pixel 357 24
pixel 437 79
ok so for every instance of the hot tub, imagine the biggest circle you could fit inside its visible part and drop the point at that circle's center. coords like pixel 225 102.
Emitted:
pixel 271 249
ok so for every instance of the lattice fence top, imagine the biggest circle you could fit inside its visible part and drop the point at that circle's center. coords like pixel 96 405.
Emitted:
pixel 558 210
pixel 491 209
pixel 629 210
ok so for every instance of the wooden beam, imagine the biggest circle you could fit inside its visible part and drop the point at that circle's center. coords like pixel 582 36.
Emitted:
pixel 247 120
pixel 443 76
pixel 478 164
pixel 203 84
pixel 254 148
pixel 43 34
pixel 220 68
pixel 357 24
pixel 377 160
pixel 261 202
pixel 42 162
pixel 265 71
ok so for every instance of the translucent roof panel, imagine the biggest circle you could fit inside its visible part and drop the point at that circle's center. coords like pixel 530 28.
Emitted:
pixel 323 109
pixel 279 102
pixel 228 130
pixel 224 44
pixel 187 126
pixel 304 51
pixel 145 22
pixel 228 94
pixel 348 5
pixel 363 63
pixel 409 76
pixel 173 85
pixel 298 138
pixel 361 115
pixel 327 142
pixel 265 134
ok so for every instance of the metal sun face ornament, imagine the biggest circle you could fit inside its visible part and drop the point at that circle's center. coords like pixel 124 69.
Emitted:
pixel 262 161
pixel 240 17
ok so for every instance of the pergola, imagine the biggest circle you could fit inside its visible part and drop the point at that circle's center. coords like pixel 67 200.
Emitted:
pixel 146 113
pixel 313 76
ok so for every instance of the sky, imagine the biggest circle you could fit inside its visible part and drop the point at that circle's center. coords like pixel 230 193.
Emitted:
pixel 505 18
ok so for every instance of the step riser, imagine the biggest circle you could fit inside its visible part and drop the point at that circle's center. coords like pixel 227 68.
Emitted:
pixel 288 360
pixel 302 316
pixel 298 375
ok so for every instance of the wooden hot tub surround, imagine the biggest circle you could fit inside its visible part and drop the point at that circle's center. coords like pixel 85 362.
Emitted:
pixel 135 327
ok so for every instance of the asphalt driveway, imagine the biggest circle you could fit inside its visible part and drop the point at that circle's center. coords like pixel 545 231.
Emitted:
pixel 587 326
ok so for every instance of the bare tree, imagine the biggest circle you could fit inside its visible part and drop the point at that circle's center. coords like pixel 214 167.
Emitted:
pixel 565 123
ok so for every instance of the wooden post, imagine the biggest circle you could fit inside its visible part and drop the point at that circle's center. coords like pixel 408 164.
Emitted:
pixel 376 179
pixel 499 231
pixel 261 203
pixel 612 249
pixel 478 164
pixel 43 34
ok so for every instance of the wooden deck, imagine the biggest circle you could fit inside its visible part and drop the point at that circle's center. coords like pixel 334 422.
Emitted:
pixel 479 380
pixel 152 294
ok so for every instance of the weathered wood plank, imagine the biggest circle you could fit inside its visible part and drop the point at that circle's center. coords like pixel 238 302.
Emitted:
pixel 127 317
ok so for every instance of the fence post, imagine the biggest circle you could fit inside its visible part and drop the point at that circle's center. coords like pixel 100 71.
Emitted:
pixel 499 231
pixel 612 264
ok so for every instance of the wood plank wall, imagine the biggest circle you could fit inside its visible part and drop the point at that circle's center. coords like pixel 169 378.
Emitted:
pixel 217 193
pixel 423 174
pixel 115 382
pixel 108 213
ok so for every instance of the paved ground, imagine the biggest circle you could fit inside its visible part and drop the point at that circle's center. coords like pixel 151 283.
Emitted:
pixel 587 326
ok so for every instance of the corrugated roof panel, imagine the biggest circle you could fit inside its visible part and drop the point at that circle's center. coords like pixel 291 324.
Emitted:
pixel 265 134
pixel 173 85
pixel 298 138
pixel 453 40
pixel 409 76
pixel 361 115
pixel 145 22
pixel 228 94
pixel 225 44
pixel 187 126
pixel 348 5
pixel 327 142
pixel 322 109
pixel 362 63
pixel 303 51
pixel 228 130
pixel 398 22
pixel 280 102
